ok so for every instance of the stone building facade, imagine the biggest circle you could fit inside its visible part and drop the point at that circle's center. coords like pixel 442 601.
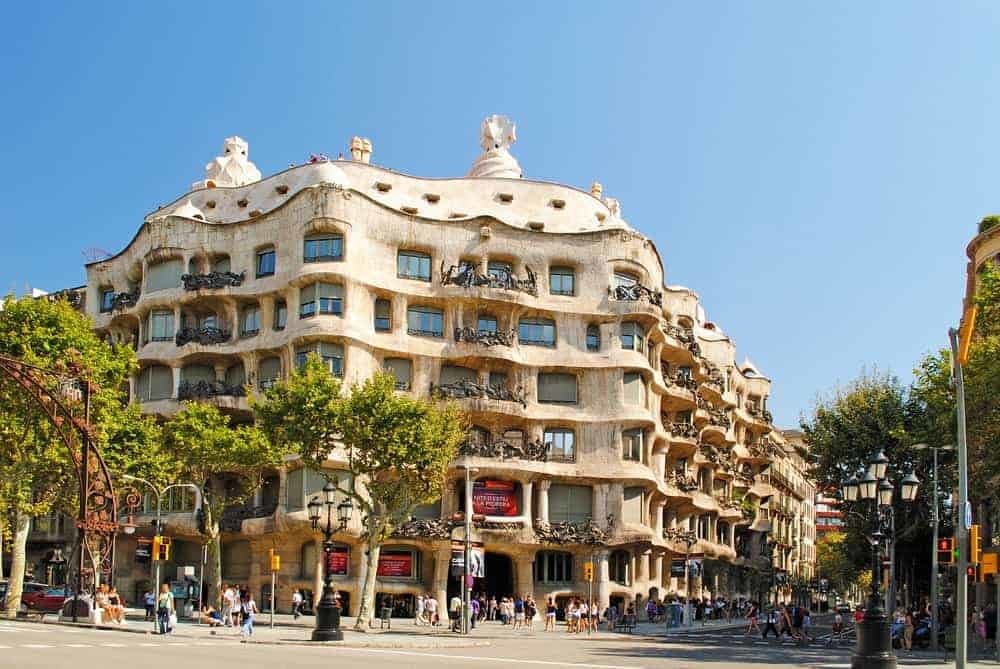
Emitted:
pixel 612 422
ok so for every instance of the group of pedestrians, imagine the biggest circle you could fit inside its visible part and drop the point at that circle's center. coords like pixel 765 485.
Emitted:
pixel 239 609
pixel 785 620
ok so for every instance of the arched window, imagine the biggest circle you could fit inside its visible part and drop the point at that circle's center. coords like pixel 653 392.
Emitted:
pixel 618 567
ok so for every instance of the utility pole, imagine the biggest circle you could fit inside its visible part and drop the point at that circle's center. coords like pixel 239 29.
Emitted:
pixel 964 521
pixel 934 565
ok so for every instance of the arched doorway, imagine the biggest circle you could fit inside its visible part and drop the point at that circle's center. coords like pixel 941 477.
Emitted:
pixel 499 579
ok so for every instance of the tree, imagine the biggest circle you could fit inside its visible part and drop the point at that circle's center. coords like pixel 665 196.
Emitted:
pixel 397 447
pixel 227 462
pixel 834 562
pixel 36 471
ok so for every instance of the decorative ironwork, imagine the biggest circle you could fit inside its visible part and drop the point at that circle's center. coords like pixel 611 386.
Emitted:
pixel 212 280
pixel 719 418
pixel 199 390
pixel 424 528
pixel 233 516
pixel 465 275
pixel 635 293
pixel 684 336
pixel 682 481
pixel 684 380
pixel 203 335
pixel 676 534
pixel 465 389
pixel 125 300
pixel 714 376
pixel 503 450
pixel 67 408
pixel 586 533
pixel 486 337
pixel 685 430
pixel 72 296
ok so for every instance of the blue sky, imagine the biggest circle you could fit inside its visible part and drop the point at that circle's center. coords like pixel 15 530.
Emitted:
pixel 814 170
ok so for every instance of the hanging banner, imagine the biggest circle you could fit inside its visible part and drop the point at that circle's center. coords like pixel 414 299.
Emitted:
pixel 337 559
pixel 677 568
pixel 477 560
pixel 695 568
pixel 143 549
pixel 395 563
pixel 494 498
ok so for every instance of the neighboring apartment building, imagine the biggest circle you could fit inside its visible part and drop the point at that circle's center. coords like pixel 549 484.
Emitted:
pixel 610 418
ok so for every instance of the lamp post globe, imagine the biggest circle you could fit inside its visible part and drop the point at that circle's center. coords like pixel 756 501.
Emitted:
pixel 344 511
pixel 885 490
pixel 849 490
pixel 868 486
pixel 908 487
pixel 878 465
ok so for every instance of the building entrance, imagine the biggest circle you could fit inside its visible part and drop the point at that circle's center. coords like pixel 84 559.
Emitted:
pixel 499 580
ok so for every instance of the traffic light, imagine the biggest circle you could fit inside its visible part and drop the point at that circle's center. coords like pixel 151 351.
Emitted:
pixel 972 571
pixel 974 549
pixel 944 550
pixel 275 560
pixel 161 548
pixel 588 571
pixel 155 552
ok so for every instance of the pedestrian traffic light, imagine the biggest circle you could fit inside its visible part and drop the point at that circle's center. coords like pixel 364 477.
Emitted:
pixel 161 548
pixel 944 548
pixel 972 571
pixel 974 549
pixel 588 571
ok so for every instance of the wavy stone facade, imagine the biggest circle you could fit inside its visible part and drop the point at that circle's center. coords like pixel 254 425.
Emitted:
pixel 613 412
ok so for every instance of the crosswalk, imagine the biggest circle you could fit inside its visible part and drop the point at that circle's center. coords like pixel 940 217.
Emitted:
pixel 10 638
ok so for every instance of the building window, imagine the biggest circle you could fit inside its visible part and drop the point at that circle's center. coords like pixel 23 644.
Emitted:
pixel 635 389
pixel 328 296
pixel 593 338
pixel 268 371
pixel 625 279
pixel 454 374
pixel 107 299
pixel 514 438
pixel 425 322
pixel 499 271
pixel 618 567
pixel 161 326
pixel 486 323
pixel 632 444
pixel 383 315
pixel 250 321
pixel 685 417
pixel 413 265
pixel 632 505
pixel 164 275
pixel 221 264
pixel 332 356
pixel 562 281
pixel 536 332
pixel 280 315
pixel 570 503
pixel 236 376
pixel 559 443
pixel 265 262
pixel 557 388
pixel 632 336
pixel 497 380
pixel 155 383
pixel 684 372
pixel 402 369
pixel 321 248
pixel 553 567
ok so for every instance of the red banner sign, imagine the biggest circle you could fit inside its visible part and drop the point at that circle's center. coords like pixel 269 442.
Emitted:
pixel 494 498
pixel 336 561
pixel 395 563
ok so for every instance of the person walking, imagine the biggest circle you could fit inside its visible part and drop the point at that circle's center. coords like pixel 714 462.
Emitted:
pixel 550 616
pixel 752 614
pixel 248 609
pixel 518 613
pixel 474 612
pixel 164 608
pixel 418 616
pixel 296 604
pixel 455 613
pixel 431 607
pixel 772 624
pixel 149 601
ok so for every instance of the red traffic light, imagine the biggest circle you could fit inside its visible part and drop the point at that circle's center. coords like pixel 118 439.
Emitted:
pixel 944 544
pixel 970 571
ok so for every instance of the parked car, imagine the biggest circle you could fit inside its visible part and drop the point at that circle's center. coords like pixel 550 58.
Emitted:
pixel 48 600
pixel 29 591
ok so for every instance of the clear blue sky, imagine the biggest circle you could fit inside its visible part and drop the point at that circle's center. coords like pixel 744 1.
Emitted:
pixel 814 170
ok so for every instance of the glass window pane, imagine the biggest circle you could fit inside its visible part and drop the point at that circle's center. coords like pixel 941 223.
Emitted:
pixel 593 338
pixel 265 262
pixel 280 315
pixel 625 279
pixel 500 271
pixel 413 265
pixel 383 314
pixel 561 281
pixel 487 323
pixel 560 444
pixel 164 275
pixel 557 388
pixel 326 247
pixel 161 325
pixel 107 299
pixel 536 332
pixel 425 321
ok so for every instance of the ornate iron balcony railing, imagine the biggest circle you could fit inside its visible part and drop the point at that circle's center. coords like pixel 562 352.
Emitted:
pixel 486 337
pixel 684 430
pixel 503 450
pixel 125 300
pixel 471 389
pixel 212 280
pixel 635 293
pixel 204 335
pixel 206 389
pixel 467 277
pixel 586 533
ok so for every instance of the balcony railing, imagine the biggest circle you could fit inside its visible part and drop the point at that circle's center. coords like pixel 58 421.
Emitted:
pixel 466 276
pixel 204 335
pixel 682 481
pixel 685 430
pixel 233 516
pixel 125 300
pixel 207 389
pixel 504 450
pixel 586 533
pixel 424 528
pixel 212 280
pixel 635 293
pixel 471 389
pixel 486 337
pixel 684 336
pixel 685 381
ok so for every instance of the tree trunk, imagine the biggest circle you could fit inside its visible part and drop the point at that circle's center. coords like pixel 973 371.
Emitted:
pixel 213 564
pixel 367 611
pixel 1 545
pixel 18 563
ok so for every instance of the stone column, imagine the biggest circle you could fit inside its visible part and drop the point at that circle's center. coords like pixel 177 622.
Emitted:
pixel 176 372
pixel 603 579
pixel 632 569
pixel 442 560
pixel 526 489
pixel 177 319
pixel 599 503
pixel 658 573
pixel 658 519
pixel 524 579
pixel 543 500
pixel 642 564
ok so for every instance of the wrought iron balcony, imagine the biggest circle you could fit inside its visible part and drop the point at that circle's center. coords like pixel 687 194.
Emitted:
pixel 685 381
pixel 207 389
pixel 233 516
pixel 635 293
pixel 682 481
pixel 587 533
pixel 471 389
pixel 719 418
pixel 679 535
pixel 212 280
pixel 465 275
pixel 684 336
pixel 686 430
pixel 424 528
pixel 125 300
pixel 204 335
pixel 504 450
pixel 486 337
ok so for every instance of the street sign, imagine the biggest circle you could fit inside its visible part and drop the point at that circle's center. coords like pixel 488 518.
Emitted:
pixel 989 563
pixel 968 515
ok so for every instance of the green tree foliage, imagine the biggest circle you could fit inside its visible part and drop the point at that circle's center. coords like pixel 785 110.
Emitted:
pixel 227 462
pixel 835 562
pixel 397 447
pixel 36 471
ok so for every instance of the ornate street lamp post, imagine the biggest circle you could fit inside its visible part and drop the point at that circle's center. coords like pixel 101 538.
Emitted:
pixel 328 611
pixel 874 649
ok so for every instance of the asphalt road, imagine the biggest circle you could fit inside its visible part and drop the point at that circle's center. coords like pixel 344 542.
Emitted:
pixel 27 646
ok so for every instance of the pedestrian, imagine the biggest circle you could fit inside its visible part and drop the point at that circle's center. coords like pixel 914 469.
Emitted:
pixel 149 601
pixel 752 614
pixel 455 613
pixel 418 617
pixel 296 604
pixel 248 609
pixel 431 606
pixel 164 608
pixel 772 622
pixel 518 613
pixel 550 615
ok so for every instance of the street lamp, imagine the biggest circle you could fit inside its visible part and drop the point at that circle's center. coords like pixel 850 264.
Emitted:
pixel 328 611
pixel 934 555
pixel 874 649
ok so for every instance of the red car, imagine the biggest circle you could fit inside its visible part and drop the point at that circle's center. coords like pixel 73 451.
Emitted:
pixel 43 599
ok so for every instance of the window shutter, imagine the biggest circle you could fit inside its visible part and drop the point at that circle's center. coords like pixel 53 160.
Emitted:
pixel 330 290
pixel 453 374
pixel 269 368
pixel 196 373
pixel 635 389
pixel 164 275
pixel 161 383
pixel 557 388
pixel 400 368
pixel 236 375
